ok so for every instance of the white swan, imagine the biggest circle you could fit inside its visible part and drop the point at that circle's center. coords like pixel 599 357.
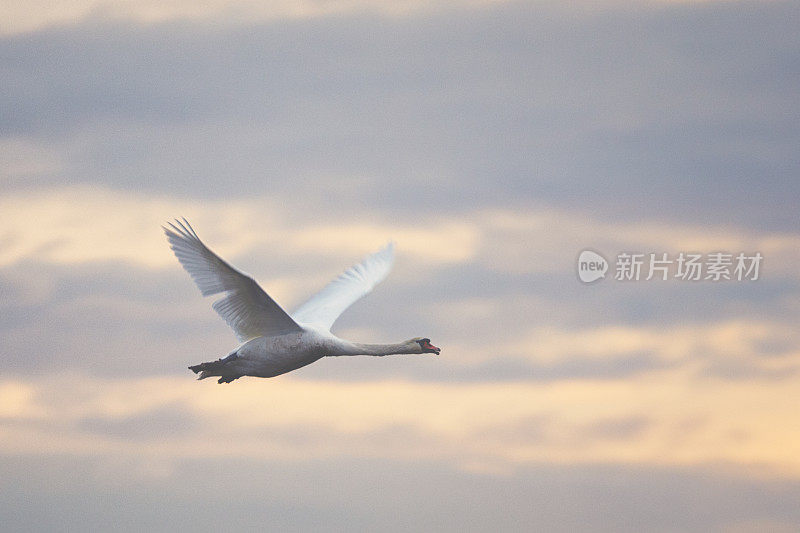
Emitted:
pixel 273 342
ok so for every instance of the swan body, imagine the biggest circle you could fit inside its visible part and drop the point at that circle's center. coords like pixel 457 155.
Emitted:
pixel 272 341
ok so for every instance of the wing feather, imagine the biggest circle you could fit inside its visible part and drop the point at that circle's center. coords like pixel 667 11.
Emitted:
pixel 247 309
pixel 324 308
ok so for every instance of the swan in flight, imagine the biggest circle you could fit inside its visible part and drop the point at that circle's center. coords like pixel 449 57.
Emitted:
pixel 272 341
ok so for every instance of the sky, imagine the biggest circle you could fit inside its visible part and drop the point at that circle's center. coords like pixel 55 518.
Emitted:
pixel 493 141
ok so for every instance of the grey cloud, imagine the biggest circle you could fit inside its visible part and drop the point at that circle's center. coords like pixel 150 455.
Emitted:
pixel 446 368
pixel 525 300
pixel 397 437
pixel 116 319
pixel 528 431
pixel 537 430
pixel 742 369
pixel 71 494
pixel 665 112
pixel 92 317
pixel 164 421
pixel 677 112
pixel 615 429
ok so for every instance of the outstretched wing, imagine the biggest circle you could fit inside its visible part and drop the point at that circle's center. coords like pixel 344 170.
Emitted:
pixel 324 308
pixel 245 307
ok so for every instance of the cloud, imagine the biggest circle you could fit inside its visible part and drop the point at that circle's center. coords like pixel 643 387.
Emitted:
pixel 635 420
pixel 80 224
pixel 163 421
pixel 365 493
pixel 117 319
pixel 496 288
pixel 493 142
pixel 538 110
pixel 725 339
pixel 53 226
pixel 16 401
pixel 38 16
pixel 26 158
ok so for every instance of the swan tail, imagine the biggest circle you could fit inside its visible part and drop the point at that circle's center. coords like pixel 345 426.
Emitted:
pixel 216 368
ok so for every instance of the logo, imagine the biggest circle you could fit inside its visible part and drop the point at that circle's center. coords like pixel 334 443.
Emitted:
pixel 591 266
pixel 683 266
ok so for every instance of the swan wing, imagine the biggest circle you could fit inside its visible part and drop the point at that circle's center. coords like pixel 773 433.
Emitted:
pixel 324 308
pixel 247 309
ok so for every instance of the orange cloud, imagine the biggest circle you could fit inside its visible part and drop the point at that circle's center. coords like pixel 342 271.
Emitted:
pixel 669 419
pixel 52 225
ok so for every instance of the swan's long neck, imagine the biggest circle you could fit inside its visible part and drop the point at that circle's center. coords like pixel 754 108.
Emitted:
pixel 359 348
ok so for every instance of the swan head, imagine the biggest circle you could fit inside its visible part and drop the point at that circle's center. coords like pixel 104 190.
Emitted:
pixel 425 345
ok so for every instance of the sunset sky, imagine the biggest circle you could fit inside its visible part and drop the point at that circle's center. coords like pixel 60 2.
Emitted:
pixel 493 141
